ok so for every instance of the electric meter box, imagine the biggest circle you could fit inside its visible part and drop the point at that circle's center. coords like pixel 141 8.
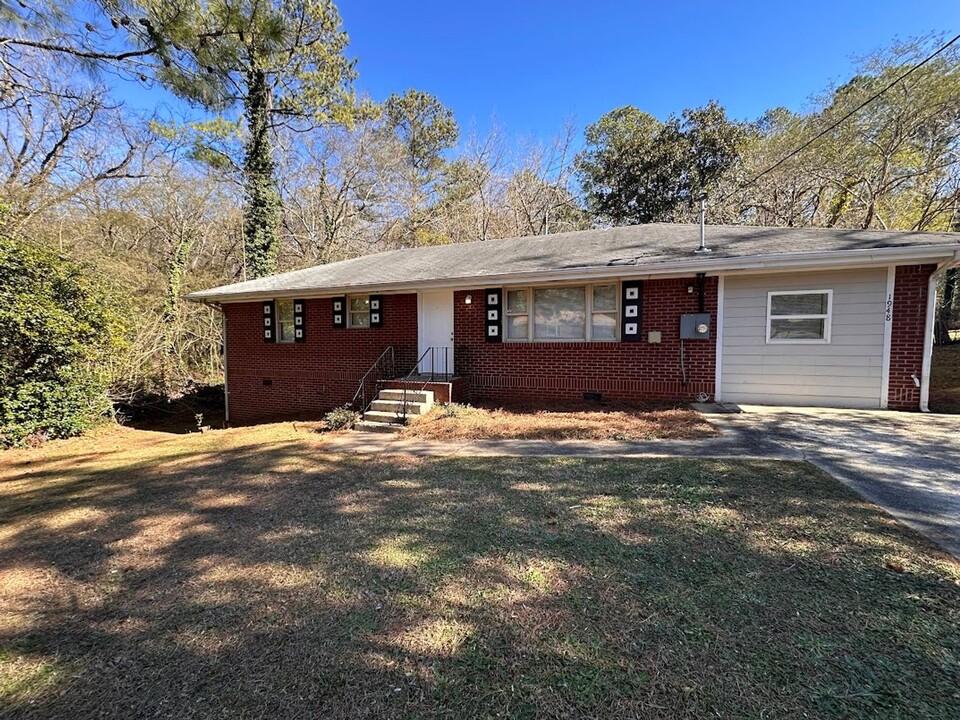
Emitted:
pixel 695 326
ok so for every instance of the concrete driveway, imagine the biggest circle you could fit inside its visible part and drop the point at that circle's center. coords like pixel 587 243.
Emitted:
pixel 908 463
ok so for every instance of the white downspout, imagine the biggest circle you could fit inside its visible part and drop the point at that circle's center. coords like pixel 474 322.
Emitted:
pixel 928 331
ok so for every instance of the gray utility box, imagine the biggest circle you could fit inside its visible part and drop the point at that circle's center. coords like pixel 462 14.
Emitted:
pixel 695 326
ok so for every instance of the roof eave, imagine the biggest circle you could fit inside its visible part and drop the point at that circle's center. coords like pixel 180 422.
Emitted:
pixel 711 265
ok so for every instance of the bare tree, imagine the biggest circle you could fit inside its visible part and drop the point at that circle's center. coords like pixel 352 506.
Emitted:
pixel 58 139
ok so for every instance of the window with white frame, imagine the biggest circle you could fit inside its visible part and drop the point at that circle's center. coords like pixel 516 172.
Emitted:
pixel 801 316
pixel 518 314
pixel 285 331
pixel 359 311
pixel 563 313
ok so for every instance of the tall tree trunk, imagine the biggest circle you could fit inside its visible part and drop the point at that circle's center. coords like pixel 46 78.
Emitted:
pixel 261 212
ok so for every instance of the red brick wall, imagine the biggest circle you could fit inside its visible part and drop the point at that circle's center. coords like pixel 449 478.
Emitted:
pixel 906 341
pixel 563 371
pixel 308 379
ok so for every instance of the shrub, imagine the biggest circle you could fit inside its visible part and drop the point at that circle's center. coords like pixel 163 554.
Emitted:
pixel 341 418
pixel 454 409
pixel 60 331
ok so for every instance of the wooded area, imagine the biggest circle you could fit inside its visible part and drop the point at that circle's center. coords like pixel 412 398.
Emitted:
pixel 275 162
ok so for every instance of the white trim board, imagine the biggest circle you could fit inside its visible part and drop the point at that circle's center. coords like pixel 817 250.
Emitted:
pixel 887 336
pixel 718 373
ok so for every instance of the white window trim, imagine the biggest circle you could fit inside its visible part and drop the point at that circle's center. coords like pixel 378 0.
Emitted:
pixel 826 317
pixel 350 313
pixel 588 306
pixel 279 331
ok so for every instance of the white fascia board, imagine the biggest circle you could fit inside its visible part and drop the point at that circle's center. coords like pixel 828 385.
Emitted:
pixel 835 259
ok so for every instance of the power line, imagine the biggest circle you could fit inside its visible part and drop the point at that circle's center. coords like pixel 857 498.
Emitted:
pixel 835 125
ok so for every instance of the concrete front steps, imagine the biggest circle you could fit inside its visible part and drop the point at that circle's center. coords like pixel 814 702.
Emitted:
pixel 386 412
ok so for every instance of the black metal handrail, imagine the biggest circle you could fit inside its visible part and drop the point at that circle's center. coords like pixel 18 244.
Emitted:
pixel 415 370
pixel 384 366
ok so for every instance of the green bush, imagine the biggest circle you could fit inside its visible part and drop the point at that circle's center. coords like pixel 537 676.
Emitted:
pixel 341 418
pixel 60 332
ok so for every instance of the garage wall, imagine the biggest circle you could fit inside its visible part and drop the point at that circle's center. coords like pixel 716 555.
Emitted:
pixel 843 373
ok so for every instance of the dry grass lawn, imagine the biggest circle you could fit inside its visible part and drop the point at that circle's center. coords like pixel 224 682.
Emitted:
pixel 247 573
pixel 945 379
pixel 573 422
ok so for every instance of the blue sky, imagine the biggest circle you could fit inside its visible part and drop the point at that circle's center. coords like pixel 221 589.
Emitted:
pixel 534 64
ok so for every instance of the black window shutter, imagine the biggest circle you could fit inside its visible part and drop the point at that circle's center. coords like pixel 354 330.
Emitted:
pixel 340 311
pixel 299 321
pixel 376 310
pixel 494 307
pixel 631 312
pixel 269 321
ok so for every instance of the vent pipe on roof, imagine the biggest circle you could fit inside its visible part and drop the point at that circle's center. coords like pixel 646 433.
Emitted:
pixel 703 227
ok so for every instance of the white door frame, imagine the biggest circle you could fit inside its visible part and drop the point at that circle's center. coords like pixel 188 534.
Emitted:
pixel 424 342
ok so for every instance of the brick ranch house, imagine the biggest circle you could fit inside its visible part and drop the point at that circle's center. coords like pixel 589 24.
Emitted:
pixel 792 316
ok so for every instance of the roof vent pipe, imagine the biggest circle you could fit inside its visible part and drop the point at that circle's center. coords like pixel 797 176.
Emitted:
pixel 703 227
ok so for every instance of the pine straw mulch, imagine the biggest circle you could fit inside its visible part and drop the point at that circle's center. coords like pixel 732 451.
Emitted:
pixel 571 421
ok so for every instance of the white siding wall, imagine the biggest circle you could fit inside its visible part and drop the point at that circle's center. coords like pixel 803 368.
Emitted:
pixel 843 373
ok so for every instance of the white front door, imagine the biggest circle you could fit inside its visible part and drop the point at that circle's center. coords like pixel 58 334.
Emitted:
pixel 435 323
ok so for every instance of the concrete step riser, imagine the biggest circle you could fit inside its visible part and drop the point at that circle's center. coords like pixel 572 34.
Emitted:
pixel 396 406
pixel 383 417
pixel 417 397
pixel 376 427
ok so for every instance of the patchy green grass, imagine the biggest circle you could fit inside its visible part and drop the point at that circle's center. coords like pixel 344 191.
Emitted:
pixel 945 379
pixel 246 573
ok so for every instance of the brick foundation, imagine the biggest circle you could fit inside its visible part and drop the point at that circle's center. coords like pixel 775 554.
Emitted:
pixel 308 379
pixel 907 333
pixel 565 371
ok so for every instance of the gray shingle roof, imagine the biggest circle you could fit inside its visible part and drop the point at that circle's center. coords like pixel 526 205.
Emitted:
pixel 638 246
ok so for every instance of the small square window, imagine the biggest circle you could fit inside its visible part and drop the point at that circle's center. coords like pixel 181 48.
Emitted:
pixel 799 317
pixel 359 316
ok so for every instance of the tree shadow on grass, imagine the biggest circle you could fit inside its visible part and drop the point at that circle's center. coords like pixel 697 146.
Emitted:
pixel 261 581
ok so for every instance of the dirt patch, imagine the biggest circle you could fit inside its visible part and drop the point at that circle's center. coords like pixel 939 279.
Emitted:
pixel 202 406
pixel 560 422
